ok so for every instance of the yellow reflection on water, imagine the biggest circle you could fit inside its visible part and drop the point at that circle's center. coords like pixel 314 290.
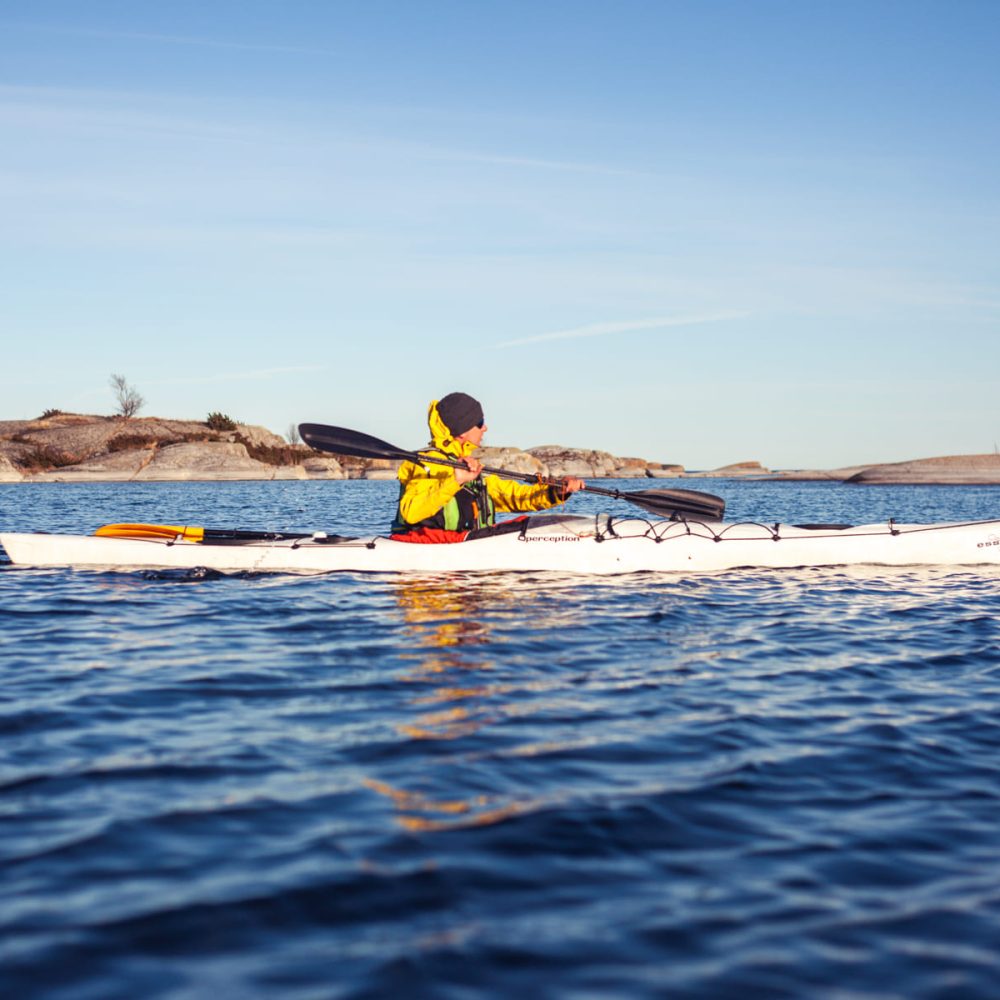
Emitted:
pixel 442 615
pixel 446 625
pixel 420 813
pixel 451 624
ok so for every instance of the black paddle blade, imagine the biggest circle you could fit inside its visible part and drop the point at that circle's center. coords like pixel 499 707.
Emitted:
pixel 677 504
pixel 341 441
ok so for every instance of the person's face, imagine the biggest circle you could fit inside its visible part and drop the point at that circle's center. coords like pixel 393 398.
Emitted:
pixel 474 434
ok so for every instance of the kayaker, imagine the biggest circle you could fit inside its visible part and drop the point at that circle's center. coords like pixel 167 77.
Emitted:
pixel 439 503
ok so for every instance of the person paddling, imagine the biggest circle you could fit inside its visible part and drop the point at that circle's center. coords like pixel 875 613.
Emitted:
pixel 438 503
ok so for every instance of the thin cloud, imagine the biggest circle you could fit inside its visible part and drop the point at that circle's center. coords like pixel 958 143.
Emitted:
pixel 147 113
pixel 628 326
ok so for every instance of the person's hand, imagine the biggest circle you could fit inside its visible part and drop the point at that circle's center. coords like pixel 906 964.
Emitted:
pixel 473 470
pixel 569 484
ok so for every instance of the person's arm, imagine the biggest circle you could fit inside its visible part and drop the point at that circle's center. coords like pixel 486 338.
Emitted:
pixel 510 497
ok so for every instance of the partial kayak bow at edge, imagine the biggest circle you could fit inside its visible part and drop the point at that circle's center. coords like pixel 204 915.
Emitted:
pixel 540 543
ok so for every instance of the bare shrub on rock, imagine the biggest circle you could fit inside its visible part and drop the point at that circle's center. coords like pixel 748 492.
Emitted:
pixel 127 397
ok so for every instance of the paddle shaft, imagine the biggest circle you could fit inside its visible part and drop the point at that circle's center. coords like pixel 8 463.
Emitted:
pixel 525 477
pixel 667 503
pixel 342 441
pixel 457 463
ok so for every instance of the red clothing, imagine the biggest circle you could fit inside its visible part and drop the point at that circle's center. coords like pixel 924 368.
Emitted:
pixel 433 536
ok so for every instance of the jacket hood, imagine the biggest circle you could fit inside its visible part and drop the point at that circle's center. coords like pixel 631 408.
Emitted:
pixel 441 436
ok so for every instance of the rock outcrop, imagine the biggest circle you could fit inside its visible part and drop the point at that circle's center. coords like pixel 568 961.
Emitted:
pixel 70 446
pixel 954 469
pixel 656 470
pixel 212 460
pixel 738 470
pixel 512 459
pixel 106 467
pixel 557 461
pixel 323 468
pixel 9 473
pixel 377 468
pixel 816 475
pixel 215 460
pixel 67 447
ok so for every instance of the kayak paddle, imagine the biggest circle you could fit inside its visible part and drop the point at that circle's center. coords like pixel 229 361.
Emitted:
pixel 664 503
pixel 189 533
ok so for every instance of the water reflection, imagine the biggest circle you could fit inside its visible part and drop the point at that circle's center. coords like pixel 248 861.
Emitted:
pixel 421 813
pixel 454 624
pixel 444 612
pixel 449 625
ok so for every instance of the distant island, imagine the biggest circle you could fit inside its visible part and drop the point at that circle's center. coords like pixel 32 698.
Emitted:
pixel 74 447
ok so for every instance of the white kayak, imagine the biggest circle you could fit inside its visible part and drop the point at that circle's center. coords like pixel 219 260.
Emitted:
pixel 561 543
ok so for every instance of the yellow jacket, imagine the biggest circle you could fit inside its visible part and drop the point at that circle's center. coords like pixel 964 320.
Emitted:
pixel 426 488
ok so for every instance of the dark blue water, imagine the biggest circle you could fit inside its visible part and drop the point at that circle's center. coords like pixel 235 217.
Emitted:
pixel 751 784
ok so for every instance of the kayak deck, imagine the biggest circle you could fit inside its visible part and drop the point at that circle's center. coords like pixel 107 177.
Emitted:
pixel 560 543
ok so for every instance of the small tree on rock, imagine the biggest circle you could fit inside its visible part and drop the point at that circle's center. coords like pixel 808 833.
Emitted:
pixel 127 396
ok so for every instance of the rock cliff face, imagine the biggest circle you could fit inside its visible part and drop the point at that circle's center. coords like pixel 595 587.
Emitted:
pixel 77 447
pixel 8 472
pixel 587 464
pixel 219 460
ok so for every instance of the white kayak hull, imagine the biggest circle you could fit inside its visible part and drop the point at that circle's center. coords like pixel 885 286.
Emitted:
pixel 570 544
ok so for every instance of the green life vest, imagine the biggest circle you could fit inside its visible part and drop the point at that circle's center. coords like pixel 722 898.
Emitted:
pixel 470 508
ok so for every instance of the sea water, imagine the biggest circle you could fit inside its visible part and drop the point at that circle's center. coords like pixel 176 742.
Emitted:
pixel 751 783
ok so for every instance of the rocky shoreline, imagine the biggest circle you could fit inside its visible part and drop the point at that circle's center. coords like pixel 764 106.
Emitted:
pixel 82 448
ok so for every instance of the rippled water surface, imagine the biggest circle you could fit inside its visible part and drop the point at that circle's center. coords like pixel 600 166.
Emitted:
pixel 773 784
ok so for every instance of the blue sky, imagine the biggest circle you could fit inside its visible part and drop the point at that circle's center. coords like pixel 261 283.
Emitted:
pixel 694 232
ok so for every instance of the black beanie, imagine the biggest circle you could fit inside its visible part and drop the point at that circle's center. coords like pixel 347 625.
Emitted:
pixel 460 412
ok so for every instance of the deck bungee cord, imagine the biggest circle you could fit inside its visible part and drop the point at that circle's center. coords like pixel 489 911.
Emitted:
pixel 662 531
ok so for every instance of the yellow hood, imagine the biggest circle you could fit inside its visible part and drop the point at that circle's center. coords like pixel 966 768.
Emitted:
pixel 442 438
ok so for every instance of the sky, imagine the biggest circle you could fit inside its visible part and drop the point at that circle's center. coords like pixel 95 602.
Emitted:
pixel 693 232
